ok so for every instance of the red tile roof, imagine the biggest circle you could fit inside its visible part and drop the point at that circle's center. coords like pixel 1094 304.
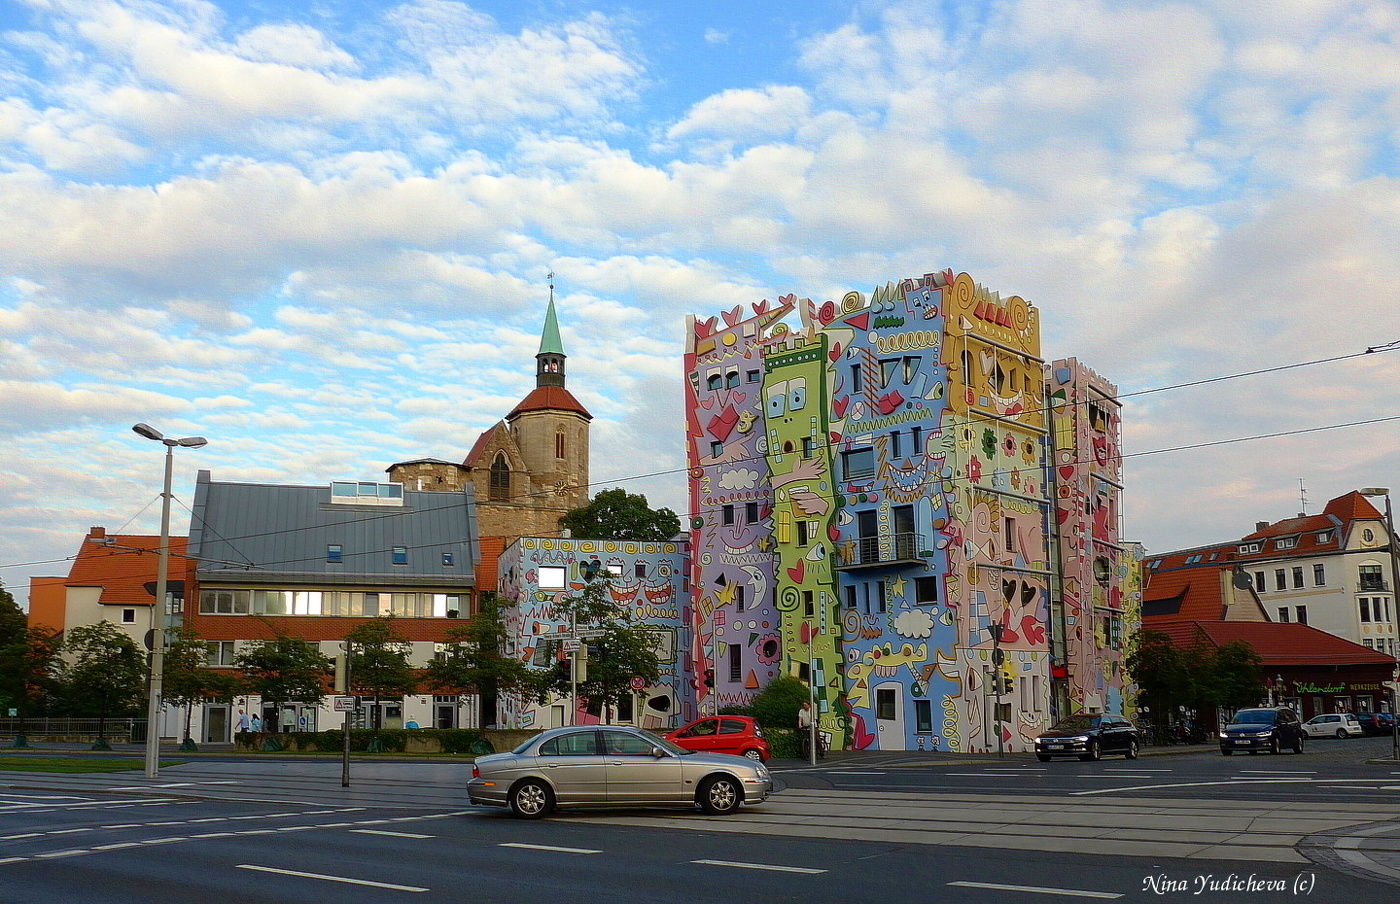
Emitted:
pixel 1278 644
pixel 1185 593
pixel 480 445
pixel 549 398
pixel 122 564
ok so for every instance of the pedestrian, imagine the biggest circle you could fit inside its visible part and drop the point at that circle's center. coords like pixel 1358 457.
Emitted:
pixel 256 723
pixel 243 722
pixel 804 727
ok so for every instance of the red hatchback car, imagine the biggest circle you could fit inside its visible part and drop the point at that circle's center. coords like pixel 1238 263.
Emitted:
pixel 737 735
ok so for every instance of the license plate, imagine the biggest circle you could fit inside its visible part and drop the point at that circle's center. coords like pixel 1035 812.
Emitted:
pixel 1054 747
pixel 1242 741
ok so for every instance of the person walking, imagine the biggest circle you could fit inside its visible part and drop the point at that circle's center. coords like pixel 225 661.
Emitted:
pixel 256 722
pixel 804 728
pixel 243 722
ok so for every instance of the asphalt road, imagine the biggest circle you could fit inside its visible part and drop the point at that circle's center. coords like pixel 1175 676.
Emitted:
pixel 860 828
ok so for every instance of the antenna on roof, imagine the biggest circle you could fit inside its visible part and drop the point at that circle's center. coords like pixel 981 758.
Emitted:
pixel 1303 495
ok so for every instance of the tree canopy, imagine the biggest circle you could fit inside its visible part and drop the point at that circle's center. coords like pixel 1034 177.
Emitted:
pixel 476 659
pixel 284 670
pixel 106 672
pixel 619 515
pixel 619 648
pixel 379 665
pixel 185 678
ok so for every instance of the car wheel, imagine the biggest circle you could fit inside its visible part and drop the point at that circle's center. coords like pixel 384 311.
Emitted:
pixel 1132 752
pixel 1043 757
pixel 1225 751
pixel 1095 752
pixel 1341 733
pixel 720 795
pixel 531 799
pixel 753 754
pixel 1298 745
pixel 1275 747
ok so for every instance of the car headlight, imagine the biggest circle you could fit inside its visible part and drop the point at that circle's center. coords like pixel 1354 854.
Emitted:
pixel 1080 739
pixel 1224 736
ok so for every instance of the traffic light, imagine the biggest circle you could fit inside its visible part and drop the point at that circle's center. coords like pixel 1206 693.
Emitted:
pixel 710 679
pixel 580 665
pixel 998 683
pixel 1008 684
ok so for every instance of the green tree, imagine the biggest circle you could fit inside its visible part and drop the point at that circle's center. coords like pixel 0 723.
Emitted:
pixel 777 704
pixel 105 675
pixel 284 670
pixel 14 624
pixel 379 665
pixel 1165 675
pixel 30 672
pixel 187 681
pixel 619 648
pixel 1236 676
pixel 475 659
pixel 619 515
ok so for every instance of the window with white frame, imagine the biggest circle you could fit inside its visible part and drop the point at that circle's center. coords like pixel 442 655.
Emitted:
pixel 553 577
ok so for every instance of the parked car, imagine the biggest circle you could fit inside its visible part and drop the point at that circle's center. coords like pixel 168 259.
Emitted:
pixel 1088 736
pixel 736 735
pixel 1377 723
pixel 1333 725
pixel 611 765
pixel 1268 728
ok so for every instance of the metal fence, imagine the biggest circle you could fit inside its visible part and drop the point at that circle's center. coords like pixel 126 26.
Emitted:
pixel 131 731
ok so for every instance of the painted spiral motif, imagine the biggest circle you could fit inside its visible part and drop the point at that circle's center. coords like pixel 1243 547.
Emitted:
pixel 788 600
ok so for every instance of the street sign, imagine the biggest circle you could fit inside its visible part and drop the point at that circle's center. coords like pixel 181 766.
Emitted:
pixel 637 683
pixel 344 704
pixel 570 646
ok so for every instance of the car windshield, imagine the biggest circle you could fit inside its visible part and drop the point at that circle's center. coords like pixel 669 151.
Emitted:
pixel 1076 723
pixel 656 741
pixel 1253 717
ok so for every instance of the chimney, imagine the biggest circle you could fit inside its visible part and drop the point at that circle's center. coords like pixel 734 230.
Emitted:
pixel 97 534
pixel 1261 525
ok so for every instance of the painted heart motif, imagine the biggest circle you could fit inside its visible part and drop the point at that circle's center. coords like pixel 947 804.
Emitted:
pixel 1067 471
pixel 839 406
pixel 798 571
pixel 833 532
pixel 860 738
pixel 835 437
pixel 732 316
pixel 835 352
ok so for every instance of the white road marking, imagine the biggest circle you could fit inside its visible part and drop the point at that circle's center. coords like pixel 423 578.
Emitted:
pixel 13 859
pixel 854 773
pixel 548 847
pixel 739 864
pixel 1280 771
pixel 348 881
pixel 1035 889
pixel 54 855
pixel 390 834
pixel 1235 782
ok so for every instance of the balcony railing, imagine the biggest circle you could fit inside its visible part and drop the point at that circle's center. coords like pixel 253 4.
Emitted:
pixel 1374 585
pixel 866 551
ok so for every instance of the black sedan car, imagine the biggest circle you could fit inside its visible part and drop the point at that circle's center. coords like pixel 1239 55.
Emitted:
pixel 1270 728
pixel 1088 736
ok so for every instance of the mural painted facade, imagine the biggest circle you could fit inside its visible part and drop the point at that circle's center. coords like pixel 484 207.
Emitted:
pixel 1093 615
pixel 905 515
pixel 535 573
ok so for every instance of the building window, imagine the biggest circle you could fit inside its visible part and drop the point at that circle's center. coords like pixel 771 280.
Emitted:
pixel 1368 643
pixel 856 385
pixel 850 596
pixel 1297 577
pixel 1371 578
pixel 499 486
pixel 751 512
pixel 804 532
pixel 1248 548
pixel 1302 613
pixel 884 703
pixel 727 514
pixel 1319 575
pixel 559 444
pixel 400 555
pixel 1286 542
pixel 128 616
pixel 716 449
pixel 1365 604
pixel 894 444
pixel 923 716
pixel 731 379
pixel 218 654
pixel 1009 534
pixel 880 596
pixel 1283 614
pixel 1259 581
pixel 740 597
pixel 553 577
pixel 858 464
pixel 916 440
pixel 640 569
pixel 926 591
pixel 333 552
pixel 447 560
pixel 807 447
pixel 736 668
pixel 809 604
pixel 714 382
pixel 1280 579
pixel 751 376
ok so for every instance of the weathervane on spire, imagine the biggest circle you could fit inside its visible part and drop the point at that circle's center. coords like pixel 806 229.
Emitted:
pixel 550 277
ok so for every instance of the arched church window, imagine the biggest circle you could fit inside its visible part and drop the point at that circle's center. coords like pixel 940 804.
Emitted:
pixel 559 444
pixel 500 479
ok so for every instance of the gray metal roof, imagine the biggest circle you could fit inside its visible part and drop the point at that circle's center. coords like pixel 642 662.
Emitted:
pixel 267 534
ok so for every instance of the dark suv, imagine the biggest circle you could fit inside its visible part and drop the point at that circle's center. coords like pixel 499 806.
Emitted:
pixel 1088 736
pixel 1270 728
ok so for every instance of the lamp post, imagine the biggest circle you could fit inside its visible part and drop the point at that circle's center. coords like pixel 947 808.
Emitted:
pixel 158 613
pixel 1395 609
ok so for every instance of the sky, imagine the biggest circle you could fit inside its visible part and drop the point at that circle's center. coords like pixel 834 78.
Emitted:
pixel 320 234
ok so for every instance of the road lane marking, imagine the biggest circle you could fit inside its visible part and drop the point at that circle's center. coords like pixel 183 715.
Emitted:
pixel 1035 889
pixel 54 855
pixel 325 878
pixel 13 859
pixel 548 847
pixel 739 864
pixel 390 834
pixel 1235 782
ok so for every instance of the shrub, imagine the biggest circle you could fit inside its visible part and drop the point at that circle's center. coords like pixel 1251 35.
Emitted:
pixel 777 704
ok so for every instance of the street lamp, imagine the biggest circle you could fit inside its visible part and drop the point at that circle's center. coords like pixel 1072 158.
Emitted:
pixel 158 614
pixel 1395 609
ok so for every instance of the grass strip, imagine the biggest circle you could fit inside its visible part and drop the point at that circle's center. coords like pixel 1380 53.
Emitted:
pixel 75 764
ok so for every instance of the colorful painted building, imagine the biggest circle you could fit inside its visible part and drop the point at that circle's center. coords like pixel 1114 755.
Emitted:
pixel 893 456
pixel 536 573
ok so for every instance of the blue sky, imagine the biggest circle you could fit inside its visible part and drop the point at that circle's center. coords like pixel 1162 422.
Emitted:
pixel 320 237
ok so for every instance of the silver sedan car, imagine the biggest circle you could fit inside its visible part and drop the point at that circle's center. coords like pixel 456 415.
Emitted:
pixel 613 765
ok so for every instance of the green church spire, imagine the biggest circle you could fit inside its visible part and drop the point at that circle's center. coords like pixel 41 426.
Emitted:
pixel 550 343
